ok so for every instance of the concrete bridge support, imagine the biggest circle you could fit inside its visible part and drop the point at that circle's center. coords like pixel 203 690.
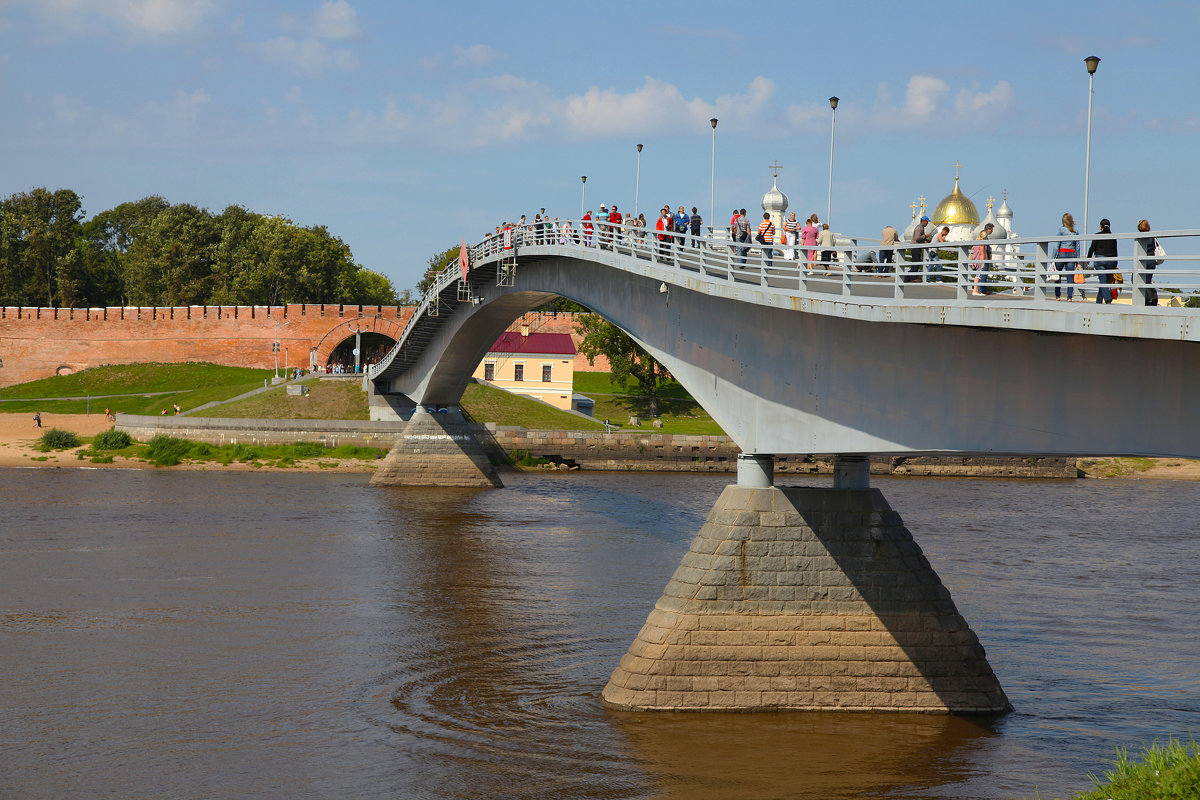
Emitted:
pixel 437 449
pixel 805 599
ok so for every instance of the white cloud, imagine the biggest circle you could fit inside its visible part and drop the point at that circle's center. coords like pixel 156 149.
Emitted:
pixel 335 19
pixel 476 55
pixel 150 18
pixel 989 105
pixel 927 105
pixel 661 106
pixel 925 94
pixel 308 55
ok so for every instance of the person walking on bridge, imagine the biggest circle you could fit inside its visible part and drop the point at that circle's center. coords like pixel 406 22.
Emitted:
pixel 587 229
pixel 826 244
pixel 663 226
pixel 1150 246
pixel 791 232
pixel 808 237
pixel 614 221
pixel 741 235
pixel 766 238
pixel 1065 258
pixel 917 254
pixel 695 223
pixel 887 248
pixel 1105 252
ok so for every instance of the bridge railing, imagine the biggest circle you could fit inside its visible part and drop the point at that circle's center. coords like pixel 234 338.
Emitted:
pixel 1029 268
pixel 1025 269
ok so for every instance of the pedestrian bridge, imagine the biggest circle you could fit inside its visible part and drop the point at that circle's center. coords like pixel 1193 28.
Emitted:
pixel 805 598
pixel 789 358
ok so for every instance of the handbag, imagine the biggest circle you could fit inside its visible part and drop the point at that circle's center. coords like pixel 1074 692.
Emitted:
pixel 1078 277
pixel 1052 274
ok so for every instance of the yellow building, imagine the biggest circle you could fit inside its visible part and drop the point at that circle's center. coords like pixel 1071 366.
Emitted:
pixel 539 365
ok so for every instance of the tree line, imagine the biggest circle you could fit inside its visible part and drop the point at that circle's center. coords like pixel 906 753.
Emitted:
pixel 154 253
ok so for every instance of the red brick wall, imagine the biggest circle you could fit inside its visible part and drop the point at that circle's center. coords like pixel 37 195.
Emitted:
pixel 40 342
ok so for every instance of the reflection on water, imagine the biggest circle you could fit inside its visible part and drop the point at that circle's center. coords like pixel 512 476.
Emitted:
pixel 197 635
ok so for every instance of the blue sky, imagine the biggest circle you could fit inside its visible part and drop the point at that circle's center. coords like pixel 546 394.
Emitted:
pixel 404 127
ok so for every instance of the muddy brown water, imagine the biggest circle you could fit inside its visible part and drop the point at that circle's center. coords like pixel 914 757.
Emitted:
pixel 195 635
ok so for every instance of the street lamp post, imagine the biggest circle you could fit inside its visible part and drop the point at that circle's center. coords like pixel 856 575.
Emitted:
pixel 583 195
pixel 637 187
pixel 358 347
pixel 833 103
pixel 1092 62
pixel 275 345
pixel 712 181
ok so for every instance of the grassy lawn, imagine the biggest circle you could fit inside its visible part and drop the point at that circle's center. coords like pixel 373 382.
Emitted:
pixel 191 385
pixel 489 404
pixel 335 399
pixel 676 408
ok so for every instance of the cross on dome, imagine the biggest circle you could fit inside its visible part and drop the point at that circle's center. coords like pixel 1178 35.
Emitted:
pixel 775 168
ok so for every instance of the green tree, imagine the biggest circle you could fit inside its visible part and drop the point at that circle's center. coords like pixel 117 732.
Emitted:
pixel 38 233
pixel 170 261
pixel 106 239
pixel 627 359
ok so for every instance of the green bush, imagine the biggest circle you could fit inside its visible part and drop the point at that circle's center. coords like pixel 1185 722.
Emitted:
pixel 308 450
pixel 111 439
pixel 58 439
pixel 167 451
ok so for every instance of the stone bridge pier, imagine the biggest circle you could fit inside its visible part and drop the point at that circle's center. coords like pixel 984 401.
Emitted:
pixel 805 599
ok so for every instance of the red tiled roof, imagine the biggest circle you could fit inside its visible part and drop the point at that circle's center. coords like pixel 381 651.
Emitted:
pixel 541 343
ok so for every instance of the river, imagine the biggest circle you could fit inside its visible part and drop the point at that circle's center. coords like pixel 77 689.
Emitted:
pixel 295 635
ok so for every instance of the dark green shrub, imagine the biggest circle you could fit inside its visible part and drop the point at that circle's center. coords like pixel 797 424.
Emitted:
pixel 58 439
pixel 167 451
pixel 308 450
pixel 111 439
pixel 242 452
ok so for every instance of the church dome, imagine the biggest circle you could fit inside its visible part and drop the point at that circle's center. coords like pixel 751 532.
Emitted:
pixel 1004 212
pixel 956 209
pixel 775 201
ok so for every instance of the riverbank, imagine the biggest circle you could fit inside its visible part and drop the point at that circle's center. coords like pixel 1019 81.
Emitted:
pixel 19 438
pixel 19 448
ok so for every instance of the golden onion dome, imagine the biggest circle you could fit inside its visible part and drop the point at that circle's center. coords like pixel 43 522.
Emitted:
pixel 956 209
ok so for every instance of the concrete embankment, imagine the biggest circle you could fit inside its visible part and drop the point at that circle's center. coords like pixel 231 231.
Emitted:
pixel 590 450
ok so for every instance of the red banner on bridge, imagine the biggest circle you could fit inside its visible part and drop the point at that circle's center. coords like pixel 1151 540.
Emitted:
pixel 464 259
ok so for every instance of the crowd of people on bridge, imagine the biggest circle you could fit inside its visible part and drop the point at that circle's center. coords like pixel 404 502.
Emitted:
pixel 813 244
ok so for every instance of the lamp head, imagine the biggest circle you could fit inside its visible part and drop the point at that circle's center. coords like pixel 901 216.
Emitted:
pixel 639 148
pixel 583 178
pixel 833 101
pixel 713 122
pixel 1092 62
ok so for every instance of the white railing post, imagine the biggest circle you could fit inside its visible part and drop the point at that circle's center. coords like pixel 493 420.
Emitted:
pixel 1137 296
pixel 1041 273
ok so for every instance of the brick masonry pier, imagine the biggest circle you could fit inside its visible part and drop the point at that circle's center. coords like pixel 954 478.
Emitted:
pixel 437 449
pixel 805 599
